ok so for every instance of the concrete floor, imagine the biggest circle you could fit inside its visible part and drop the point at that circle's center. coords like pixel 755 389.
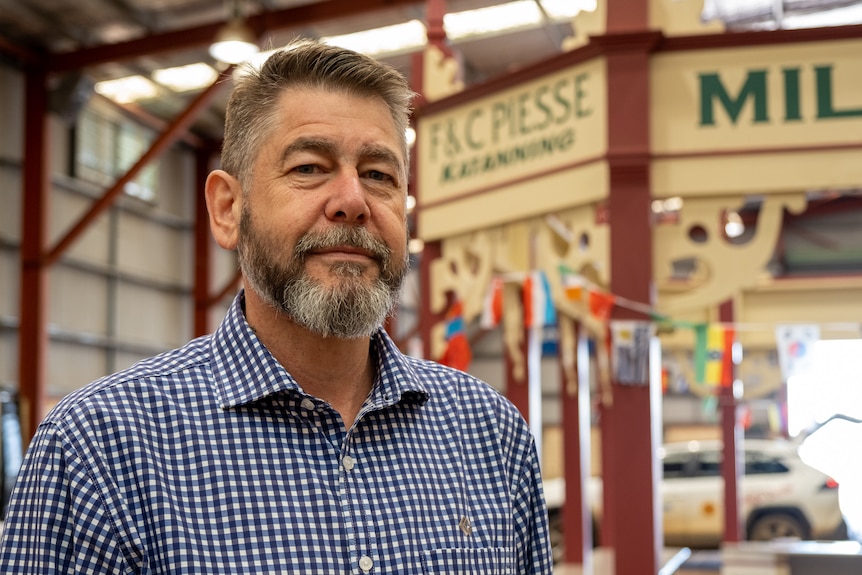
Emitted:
pixel 688 562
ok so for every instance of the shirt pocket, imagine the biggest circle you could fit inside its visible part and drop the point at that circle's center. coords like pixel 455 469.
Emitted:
pixel 483 561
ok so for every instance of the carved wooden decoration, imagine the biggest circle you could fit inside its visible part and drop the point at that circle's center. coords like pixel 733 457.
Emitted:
pixel 722 269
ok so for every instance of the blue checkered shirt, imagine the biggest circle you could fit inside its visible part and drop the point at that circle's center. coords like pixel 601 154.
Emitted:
pixel 211 459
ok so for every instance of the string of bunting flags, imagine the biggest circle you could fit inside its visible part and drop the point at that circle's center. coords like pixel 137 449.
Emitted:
pixel 628 345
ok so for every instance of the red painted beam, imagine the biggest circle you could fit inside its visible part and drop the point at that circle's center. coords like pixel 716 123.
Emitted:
pixel 630 476
pixel 197 36
pixel 33 325
pixel 731 434
pixel 203 246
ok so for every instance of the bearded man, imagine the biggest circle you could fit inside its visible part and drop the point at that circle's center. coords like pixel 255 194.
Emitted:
pixel 297 438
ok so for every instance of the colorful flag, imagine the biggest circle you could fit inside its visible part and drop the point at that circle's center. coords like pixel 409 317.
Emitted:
pixel 492 307
pixel 573 287
pixel 538 308
pixel 630 342
pixel 601 304
pixel 795 344
pixel 457 353
pixel 713 363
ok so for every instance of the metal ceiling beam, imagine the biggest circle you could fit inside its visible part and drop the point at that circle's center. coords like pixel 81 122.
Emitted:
pixel 195 37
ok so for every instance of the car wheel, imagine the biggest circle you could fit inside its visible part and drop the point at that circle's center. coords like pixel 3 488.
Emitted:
pixel 778 525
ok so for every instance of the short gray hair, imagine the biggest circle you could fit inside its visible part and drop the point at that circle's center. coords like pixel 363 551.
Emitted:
pixel 250 115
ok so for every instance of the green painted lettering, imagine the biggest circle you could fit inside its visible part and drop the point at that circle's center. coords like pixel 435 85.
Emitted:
pixel 469 133
pixel 560 98
pixel 825 107
pixel 499 118
pixel 543 107
pixel 523 112
pixel 791 94
pixel 754 87
pixel 580 96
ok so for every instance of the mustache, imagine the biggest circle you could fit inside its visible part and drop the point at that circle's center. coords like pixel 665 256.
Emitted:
pixel 352 236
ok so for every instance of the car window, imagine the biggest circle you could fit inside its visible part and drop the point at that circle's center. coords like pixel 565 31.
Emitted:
pixel 757 463
pixel 677 465
pixel 708 464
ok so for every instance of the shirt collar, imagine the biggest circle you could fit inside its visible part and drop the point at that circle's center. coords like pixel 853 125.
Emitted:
pixel 245 371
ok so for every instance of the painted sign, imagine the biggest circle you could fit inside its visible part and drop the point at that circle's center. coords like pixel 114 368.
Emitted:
pixel 785 95
pixel 529 129
pixel 756 120
pixel 541 140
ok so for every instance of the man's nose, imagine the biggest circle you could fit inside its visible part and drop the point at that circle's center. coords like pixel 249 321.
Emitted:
pixel 347 200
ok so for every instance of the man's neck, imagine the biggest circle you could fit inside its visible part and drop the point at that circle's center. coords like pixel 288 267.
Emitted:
pixel 338 371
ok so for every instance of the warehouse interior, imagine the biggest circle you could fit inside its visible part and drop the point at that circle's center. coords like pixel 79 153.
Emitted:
pixel 106 257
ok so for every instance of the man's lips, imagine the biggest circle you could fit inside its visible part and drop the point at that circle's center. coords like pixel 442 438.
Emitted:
pixel 348 252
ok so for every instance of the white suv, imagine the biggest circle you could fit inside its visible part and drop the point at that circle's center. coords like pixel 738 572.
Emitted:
pixel 781 497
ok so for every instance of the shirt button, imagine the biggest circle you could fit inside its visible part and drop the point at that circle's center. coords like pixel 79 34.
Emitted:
pixel 307 404
pixel 366 563
pixel 348 464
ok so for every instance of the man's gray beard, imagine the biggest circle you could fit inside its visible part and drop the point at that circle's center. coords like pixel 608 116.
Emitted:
pixel 353 308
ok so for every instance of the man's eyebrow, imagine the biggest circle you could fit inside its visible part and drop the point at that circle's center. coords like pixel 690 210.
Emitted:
pixel 382 154
pixel 319 145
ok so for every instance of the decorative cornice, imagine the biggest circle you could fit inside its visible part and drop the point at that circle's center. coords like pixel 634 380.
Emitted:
pixel 758 38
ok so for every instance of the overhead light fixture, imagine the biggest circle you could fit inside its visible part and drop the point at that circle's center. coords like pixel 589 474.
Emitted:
pixel 386 40
pixel 493 19
pixel 235 43
pixel 185 78
pixel 128 89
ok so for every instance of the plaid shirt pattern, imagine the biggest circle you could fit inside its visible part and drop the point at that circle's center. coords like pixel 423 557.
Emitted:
pixel 211 459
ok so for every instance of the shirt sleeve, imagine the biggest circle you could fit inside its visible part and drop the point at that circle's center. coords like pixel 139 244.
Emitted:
pixel 56 522
pixel 533 546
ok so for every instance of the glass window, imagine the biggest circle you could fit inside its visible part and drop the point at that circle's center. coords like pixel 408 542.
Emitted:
pixel 757 463
pixel 106 148
pixel 677 465
pixel 708 464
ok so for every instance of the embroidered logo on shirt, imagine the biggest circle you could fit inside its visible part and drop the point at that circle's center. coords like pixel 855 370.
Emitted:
pixel 465 526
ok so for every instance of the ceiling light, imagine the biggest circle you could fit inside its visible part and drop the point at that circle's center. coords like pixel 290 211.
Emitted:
pixel 387 40
pixel 185 78
pixel 128 89
pixel 564 9
pixel 512 15
pixel 235 43
pixel 836 17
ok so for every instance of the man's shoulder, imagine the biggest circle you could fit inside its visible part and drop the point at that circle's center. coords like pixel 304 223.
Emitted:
pixel 167 372
pixel 454 383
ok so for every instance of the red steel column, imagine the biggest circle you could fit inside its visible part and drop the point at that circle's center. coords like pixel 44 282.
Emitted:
pixel 203 249
pixel 731 433
pixel 33 323
pixel 629 443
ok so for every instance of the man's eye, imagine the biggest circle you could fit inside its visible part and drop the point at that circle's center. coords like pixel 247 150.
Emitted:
pixel 380 176
pixel 305 169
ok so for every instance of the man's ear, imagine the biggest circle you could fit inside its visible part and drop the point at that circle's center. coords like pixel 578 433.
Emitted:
pixel 224 203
